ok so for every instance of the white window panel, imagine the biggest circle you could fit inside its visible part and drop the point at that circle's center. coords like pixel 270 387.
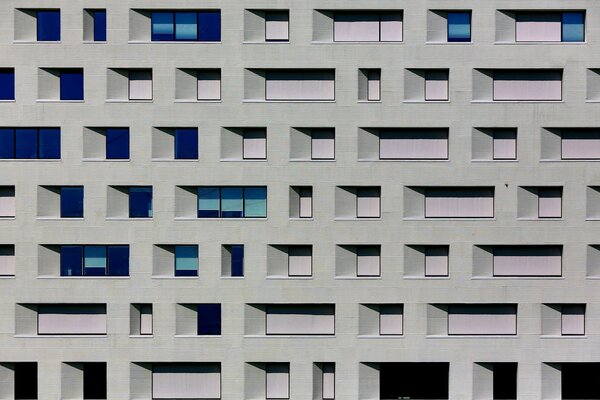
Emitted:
pixel 306 203
pixel 528 85
pixel 186 381
pixel 573 319
pixel 505 144
pixel 7 261
pixel 328 381
pixel 7 202
pixel 374 85
pixel 436 85
pixel 146 319
pixel 368 203
pixel 580 144
pixel 356 27
pixel 459 203
pixel 209 85
pixel 391 26
pixel 304 319
pixel 140 85
pixel 255 144
pixel 367 261
pixel 413 144
pixel 390 319
pixel 312 85
pixel 71 320
pixel 322 144
pixel 436 261
pixel 538 27
pixel 549 203
pixel 300 261
pixel 482 320
pixel 277 25
pixel 527 261
pixel 278 381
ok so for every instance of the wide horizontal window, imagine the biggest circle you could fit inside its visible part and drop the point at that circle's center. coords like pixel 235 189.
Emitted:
pixel 186 26
pixel 459 202
pixel 68 319
pixel 527 85
pixel 94 260
pixel 232 202
pixel 367 26
pixel 29 143
pixel 300 319
pixel 534 26
pixel 482 319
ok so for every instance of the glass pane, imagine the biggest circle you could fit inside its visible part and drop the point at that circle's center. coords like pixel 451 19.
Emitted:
pixel 459 27
pixel 49 143
pixel 186 260
pixel 186 26
pixel 71 84
pixel 94 260
pixel 209 319
pixel 100 26
pixel 26 143
pixel 208 202
pixel 255 202
pixel 140 202
pixel 71 258
pixel 186 144
pixel 237 260
pixel 573 28
pixel 71 202
pixel 118 260
pixel 232 203
pixel 209 26
pixel 7 84
pixel 7 143
pixel 162 26
pixel 117 143
pixel 48 26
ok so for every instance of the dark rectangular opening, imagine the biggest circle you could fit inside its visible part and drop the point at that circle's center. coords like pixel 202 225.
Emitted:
pixel 413 381
pixel 505 381
pixel 26 380
pixel 94 380
pixel 577 382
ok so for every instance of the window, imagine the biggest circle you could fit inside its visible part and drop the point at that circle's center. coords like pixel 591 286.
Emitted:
pixel 186 143
pixel 186 260
pixel 459 26
pixel 94 380
pixel 328 381
pixel 572 319
pixel 7 260
pixel 300 319
pixel 368 261
pixel 254 144
pixel 301 202
pixel 390 319
pixel 232 202
pixel 184 381
pixel 504 144
pixel 413 143
pixel 209 319
pixel 300 85
pixel 527 85
pixel 322 144
pixel 186 26
pixel 550 26
pixel 369 84
pixel 71 202
pixel 140 202
pixel 277 381
pixel 549 202
pixel 48 25
pixel 29 143
pixel 94 260
pixel 209 84
pixel 277 26
pixel 117 143
pixel 98 22
pixel 436 260
pixel 579 144
pixel 420 380
pixel 436 85
pixel 367 26
pixel 141 319
pixel 368 202
pixel 140 85
pixel 482 319
pixel 459 202
pixel 7 202
pixel 300 261
pixel 527 260
pixel 7 83
pixel 232 260
pixel 71 319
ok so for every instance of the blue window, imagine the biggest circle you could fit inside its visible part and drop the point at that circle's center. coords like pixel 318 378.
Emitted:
pixel 49 142
pixel 7 143
pixel 48 25
pixel 186 260
pixel 209 26
pixel 94 260
pixel 71 202
pixel 30 143
pixel 232 202
pixel 186 144
pixel 209 319
pixel 237 260
pixel 186 26
pixel 162 26
pixel 99 25
pixel 140 202
pixel 573 27
pixel 459 26
pixel 7 84
pixel 117 143
pixel 71 84
pixel 203 26
pixel 26 143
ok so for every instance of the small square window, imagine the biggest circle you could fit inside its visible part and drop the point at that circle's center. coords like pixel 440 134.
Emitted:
pixel 71 84
pixel 186 144
pixel 71 202
pixel 436 85
pixel 255 144
pixel 322 144
pixel 505 144
pixel 7 84
pixel 140 85
pixel 117 143
pixel 277 26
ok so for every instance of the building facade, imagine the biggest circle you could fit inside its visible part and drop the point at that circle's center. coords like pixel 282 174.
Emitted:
pixel 306 200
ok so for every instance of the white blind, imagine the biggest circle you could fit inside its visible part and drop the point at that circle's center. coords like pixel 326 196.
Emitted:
pixel 390 319
pixel 63 319
pixel 186 381
pixel 459 203
pixel 538 27
pixel 303 319
pixel 300 85
pixel 527 261
pixel 413 144
pixel 255 144
pixel 276 25
pixel 482 320
pixel 300 260
pixel 209 84
pixel 278 381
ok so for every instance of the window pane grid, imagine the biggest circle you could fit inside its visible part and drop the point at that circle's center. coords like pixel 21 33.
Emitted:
pixel 29 143
pixel 94 260
pixel 232 202
pixel 186 26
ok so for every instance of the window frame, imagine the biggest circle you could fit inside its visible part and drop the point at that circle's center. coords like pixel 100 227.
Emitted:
pixel 243 200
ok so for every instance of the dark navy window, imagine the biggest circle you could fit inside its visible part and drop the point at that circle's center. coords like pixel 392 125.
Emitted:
pixel 48 25
pixel 459 26
pixel 29 143
pixel 237 260
pixel 7 84
pixel 186 144
pixel 26 143
pixel 117 143
pixel 232 202
pixel 71 202
pixel 140 202
pixel 209 319
pixel 94 260
pixel 49 142
pixel 7 143
pixel 99 25
pixel 186 260
pixel 203 26
pixel 71 84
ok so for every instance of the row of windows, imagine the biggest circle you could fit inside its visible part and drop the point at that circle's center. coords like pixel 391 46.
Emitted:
pixel 263 25
pixel 318 144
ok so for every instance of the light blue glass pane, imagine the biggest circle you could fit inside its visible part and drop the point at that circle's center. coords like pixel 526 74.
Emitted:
pixel 573 27
pixel 186 26
pixel 255 202
pixel 208 198
pixel 231 199
pixel 186 258
pixel 95 257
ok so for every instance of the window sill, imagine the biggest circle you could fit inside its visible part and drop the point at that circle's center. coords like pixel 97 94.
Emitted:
pixel 358 278
pixel 329 160
pixel 59 101
pixel 8 101
pixel 573 160
pixel 199 336
pixel 63 336
pixel 232 277
pixel 563 337
pixel 427 278
pixel 288 278
pixel 452 43
pixel 172 42
pixel 553 43
pixel 59 219
pixel 290 336
pixel 380 336
pixel 266 42
pixel 449 219
pixel 220 219
pixel 517 101
pixel 243 160
pixel 128 101
pixel 521 278
pixel 95 42
pixel 540 219
pixel 105 160
pixel 425 101
pixel 37 42
pixel 182 278
pixel 301 219
pixel 592 101
pixel 419 160
pixel 7 277
pixel 141 336
pixel 128 219
pixel 369 101
pixel 357 219
pixel 197 101
pixel 593 219
pixel 285 101
pixel 82 277
pixel 358 43
pixel 7 218
pixel 31 160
